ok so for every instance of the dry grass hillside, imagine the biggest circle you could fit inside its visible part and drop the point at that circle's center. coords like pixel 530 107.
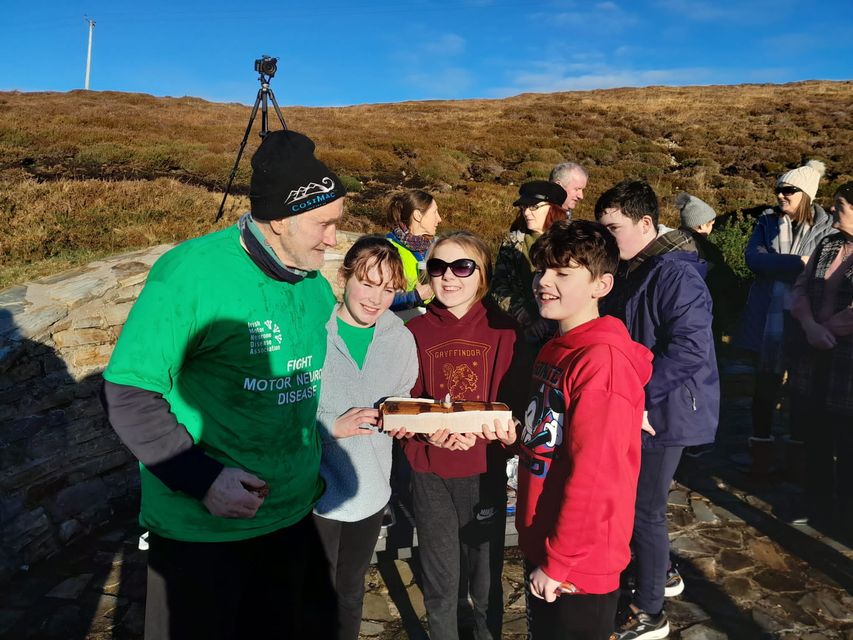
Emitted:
pixel 86 174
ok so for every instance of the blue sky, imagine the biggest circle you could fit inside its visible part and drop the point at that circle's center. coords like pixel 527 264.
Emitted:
pixel 356 51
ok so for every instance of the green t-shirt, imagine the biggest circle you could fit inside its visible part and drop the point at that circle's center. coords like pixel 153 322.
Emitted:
pixel 357 340
pixel 238 357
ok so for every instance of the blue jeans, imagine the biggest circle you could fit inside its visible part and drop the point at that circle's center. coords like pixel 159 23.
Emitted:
pixel 651 538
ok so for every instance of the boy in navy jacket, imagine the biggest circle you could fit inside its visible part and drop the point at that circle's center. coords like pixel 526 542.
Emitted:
pixel 660 294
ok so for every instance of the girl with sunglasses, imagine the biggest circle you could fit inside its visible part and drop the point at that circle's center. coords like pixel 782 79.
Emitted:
pixel 540 204
pixel 779 247
pixel 370 355
pixel 466 348
pixel 413 218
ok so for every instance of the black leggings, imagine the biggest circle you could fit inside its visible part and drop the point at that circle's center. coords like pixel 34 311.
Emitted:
pixel 349 547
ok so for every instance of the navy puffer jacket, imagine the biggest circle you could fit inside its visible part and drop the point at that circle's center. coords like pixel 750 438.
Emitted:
pixel 666 306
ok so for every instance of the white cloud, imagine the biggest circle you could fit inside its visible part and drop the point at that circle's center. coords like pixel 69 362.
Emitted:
pixel 569 77
pixel 604 15
pixel 722 10
pixel 449 44
pixel 449 82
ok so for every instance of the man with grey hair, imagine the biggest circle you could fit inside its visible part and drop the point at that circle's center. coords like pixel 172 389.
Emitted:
pixel 573 178
pixel 213 385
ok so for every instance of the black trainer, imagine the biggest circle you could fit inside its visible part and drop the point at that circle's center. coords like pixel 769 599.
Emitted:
pixel 639 625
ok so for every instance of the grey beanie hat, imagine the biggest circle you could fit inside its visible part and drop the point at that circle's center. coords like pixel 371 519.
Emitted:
pixel 694 212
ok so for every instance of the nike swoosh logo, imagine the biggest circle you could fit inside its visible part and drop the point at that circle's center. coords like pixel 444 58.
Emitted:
pixel 485 514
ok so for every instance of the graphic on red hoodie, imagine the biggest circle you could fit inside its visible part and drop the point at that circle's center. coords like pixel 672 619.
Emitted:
pixel 543 421
pixel 459 379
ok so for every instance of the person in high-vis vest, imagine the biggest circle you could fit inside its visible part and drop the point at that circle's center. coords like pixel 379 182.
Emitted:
pixel 413 219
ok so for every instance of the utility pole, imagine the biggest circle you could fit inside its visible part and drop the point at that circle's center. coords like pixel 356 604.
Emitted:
pixel 89 54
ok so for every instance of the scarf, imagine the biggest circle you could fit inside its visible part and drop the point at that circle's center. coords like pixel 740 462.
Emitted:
pixel 787 242
pixel 666 241
pixel 262 254
pixel 416 244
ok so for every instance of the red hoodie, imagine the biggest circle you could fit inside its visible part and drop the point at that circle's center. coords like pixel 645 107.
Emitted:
pixel 467 357
pixel 580 454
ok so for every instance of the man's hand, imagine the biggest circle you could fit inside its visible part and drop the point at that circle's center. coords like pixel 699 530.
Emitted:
pixel 231 494
pixel 506 436
pixel 543 586
pixel 820 337
pixel 352 423
pixel 646 426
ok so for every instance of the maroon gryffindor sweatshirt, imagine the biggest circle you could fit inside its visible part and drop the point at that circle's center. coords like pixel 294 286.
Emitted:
pixel 470 358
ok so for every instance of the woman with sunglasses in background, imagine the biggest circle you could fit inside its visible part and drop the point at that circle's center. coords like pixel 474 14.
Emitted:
pixel 413 218
pixel 466 349
pixel 781 243
pixel 540 204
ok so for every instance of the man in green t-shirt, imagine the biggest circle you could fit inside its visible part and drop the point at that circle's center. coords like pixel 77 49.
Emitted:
pixel 213 386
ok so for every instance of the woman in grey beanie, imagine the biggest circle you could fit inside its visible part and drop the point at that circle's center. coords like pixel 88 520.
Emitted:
pixel 781 243
pixel 697 219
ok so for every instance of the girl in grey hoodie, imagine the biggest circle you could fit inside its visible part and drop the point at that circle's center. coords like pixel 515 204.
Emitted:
pixel 370 356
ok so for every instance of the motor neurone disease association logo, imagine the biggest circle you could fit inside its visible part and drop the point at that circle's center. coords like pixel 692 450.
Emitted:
pixel 264 337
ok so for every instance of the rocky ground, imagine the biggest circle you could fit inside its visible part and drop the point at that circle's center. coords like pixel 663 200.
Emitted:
pixel 748 574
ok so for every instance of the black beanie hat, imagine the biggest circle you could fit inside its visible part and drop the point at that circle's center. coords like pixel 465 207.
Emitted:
pixel 288 180
pixel 845 191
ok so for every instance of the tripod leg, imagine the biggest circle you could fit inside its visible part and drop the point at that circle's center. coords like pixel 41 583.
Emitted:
pixel 277 110
pixel 239 154
pixel 265 127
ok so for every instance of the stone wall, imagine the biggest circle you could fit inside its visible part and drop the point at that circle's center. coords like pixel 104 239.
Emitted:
pixel 63 472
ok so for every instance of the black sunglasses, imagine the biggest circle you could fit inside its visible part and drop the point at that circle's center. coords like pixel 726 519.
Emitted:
pixel 787 191
pixel 461 268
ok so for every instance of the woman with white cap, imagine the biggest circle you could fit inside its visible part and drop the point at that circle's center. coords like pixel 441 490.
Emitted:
pixel 781 243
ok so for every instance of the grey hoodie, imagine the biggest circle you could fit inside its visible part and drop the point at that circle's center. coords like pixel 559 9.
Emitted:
pixel 357 469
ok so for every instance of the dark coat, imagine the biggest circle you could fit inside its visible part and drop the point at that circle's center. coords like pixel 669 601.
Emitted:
pixel 770 266
pixel 667 307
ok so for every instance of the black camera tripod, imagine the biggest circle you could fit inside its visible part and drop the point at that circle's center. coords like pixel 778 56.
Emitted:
pixel 263 94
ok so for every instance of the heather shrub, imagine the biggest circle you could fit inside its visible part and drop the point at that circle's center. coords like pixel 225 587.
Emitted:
pixel 353 185
pixel 731 234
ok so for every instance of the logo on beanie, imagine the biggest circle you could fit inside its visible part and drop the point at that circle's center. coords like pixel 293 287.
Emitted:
pixel 312 188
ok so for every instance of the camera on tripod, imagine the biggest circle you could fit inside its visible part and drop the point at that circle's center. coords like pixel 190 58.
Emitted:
pixel 266 65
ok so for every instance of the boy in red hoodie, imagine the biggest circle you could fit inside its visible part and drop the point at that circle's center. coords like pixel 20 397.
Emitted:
pixel 580 445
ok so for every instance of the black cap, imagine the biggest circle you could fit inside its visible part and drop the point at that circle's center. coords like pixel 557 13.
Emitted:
pixel 538 191
pixel 288 180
